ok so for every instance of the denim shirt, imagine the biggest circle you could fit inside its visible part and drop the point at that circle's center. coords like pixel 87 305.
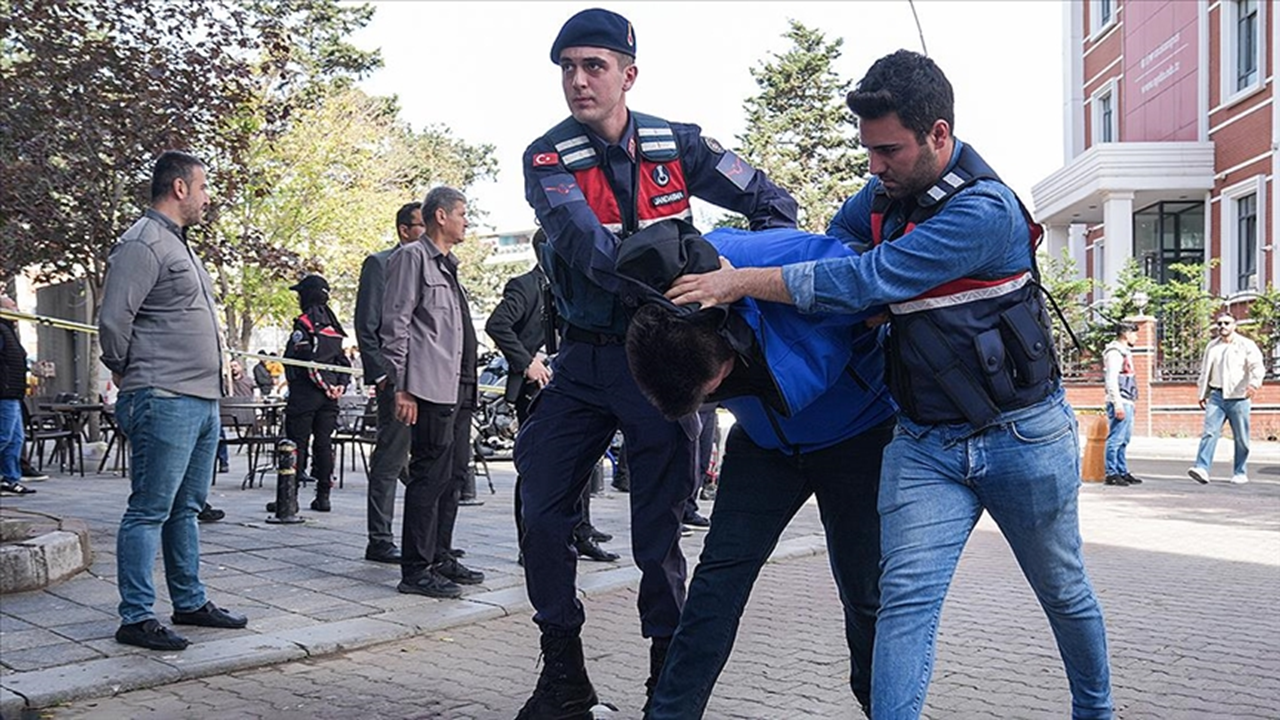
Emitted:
pixel 979 232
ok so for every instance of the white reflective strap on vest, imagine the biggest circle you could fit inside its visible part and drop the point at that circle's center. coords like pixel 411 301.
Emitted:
pixel 686 215
pixel 571 143
pixel 961 298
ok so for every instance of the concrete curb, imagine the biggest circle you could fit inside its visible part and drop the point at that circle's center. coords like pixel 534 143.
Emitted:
pixel 46 559
pixel 25 691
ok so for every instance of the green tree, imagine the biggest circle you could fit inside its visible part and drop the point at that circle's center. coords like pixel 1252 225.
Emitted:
pixel 799 130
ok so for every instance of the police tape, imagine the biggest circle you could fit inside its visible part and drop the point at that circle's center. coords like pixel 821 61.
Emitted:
pixel 91 330
pixel 73 326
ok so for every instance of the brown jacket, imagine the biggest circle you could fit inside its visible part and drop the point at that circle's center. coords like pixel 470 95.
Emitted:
pixel 422 322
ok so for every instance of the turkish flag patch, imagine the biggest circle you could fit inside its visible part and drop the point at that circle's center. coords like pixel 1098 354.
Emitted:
pixel 542 159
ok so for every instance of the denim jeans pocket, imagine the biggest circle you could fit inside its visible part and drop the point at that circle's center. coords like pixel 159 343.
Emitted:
pixel 1041 428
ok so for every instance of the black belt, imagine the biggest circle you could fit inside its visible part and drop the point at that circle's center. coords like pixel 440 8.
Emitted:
pixel 577 334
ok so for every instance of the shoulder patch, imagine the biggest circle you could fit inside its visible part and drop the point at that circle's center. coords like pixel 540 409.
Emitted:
pixel 297 337
pixel 543 159
pixel 736 170
pixel 561 188
pixel 713 145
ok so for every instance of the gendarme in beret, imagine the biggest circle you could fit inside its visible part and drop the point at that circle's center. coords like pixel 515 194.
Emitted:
pixel 595 28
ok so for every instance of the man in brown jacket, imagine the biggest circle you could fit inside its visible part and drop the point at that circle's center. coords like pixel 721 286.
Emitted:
pixel 429 346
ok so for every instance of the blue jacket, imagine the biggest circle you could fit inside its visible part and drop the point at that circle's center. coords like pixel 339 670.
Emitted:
pixel 582 270
pixel 827 369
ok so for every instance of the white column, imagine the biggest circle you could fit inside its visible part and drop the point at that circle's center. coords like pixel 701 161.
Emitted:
pixel 1117 219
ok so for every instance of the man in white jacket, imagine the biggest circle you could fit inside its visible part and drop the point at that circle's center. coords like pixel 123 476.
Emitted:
pixel 1230 376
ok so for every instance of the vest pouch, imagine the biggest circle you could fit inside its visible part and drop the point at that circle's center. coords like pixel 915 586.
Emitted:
pixel 991 358
pixel 1029 343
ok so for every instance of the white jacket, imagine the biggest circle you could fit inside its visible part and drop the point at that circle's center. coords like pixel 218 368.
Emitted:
pixel 1242 367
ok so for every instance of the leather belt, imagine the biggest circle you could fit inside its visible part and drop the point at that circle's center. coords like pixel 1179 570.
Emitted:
pixel 577 334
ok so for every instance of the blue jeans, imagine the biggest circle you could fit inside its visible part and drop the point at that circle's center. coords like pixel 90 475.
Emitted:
pixel 936 483
pixel 172 441
pixel 1119 433
pixel 11 439
pixel 1219 410
pixel 760 491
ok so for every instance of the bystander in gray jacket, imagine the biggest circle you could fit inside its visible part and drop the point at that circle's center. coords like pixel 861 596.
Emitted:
pixel 422 323
pixel 158 326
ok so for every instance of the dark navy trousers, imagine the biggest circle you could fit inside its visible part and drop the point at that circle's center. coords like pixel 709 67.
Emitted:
pixel 591 395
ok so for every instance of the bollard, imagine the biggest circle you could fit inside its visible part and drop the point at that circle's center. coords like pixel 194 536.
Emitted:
pixel 286 505
pixel 1093 464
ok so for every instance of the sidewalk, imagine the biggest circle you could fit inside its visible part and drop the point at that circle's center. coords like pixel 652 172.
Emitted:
pixel 306 588
pixel 308 593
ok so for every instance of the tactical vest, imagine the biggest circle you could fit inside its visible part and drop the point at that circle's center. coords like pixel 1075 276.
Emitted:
pixel 661 192
pixel 975 347
pixel 13 364
pixel 1128 380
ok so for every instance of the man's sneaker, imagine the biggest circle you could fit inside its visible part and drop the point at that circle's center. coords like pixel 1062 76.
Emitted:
pixel 1129 478
pixel 210 615
pixel 457 572
pixel 210 514
pixel 697 521
pixel 685 531
pixel 1116 480
pixel 30 473
pixel 13 487
pixel 383 552
pixel 1198 475
pixel 564 691
pixel 1239 479
pixel 150 634
pixel 600 536
pixel 591 550
pixel 430 584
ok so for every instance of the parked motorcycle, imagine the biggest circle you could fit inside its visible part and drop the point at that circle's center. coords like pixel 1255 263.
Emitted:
pixel 494 422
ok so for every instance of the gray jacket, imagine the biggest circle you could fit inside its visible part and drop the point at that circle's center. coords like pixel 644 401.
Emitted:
pixel 373 283
pixel 422 322
pixel 158 326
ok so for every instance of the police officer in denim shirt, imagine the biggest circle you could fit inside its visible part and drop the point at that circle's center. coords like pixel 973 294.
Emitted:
pixel 984 423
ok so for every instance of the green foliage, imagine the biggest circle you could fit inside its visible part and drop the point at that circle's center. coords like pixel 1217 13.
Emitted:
pixel 1264 322
pixel 799 130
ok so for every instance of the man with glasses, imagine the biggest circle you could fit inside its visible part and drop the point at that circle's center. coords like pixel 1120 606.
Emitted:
pixel 1230 375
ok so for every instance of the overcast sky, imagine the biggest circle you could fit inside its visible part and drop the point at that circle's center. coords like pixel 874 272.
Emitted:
pixel 483 69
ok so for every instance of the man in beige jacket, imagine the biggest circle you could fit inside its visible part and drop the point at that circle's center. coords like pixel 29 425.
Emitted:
pixel 1230 376
pixel 429 346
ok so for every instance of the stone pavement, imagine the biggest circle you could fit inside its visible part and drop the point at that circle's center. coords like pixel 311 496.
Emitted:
pixel 1189 577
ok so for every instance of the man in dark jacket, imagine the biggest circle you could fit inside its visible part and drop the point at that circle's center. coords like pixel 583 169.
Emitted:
pixel 518 328
pixel 13 386
pixel 391 450
pixel 312 410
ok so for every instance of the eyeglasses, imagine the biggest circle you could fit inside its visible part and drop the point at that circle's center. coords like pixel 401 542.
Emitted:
pixel 1224 323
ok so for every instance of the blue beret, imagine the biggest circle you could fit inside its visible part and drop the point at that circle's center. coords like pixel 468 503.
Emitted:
pixel 595 28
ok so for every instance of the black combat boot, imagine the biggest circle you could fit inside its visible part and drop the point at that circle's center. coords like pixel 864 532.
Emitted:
pixel 564 691
pixel 657 658
pixel 321 503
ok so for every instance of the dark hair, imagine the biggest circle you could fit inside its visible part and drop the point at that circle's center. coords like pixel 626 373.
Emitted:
pixel 909 84
pixel 171 165
pixel 404 216
pixel 673 357
pixel 1124 327
pixel 440 197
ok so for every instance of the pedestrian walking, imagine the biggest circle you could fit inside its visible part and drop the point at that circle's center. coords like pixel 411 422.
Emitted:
pixel 1231 372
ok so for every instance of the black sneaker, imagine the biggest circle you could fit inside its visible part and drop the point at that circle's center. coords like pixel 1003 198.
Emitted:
pixel 458 552
pixel 431 584
pixel 210 514
pixel 600 536
pixel 210 615
pixel 383 552
pixel 321 504
pixel 1129 478
pixel 697 521
pixel 1116 480
pixel 150 634
pixel 461 574
pixel 30 473
pixel 13 487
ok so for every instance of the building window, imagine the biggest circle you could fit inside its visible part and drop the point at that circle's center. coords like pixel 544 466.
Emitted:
pixel 1102 16
pixel 1168 234
pixel 1105 126
pixel 1247 243
pixel 1242 47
